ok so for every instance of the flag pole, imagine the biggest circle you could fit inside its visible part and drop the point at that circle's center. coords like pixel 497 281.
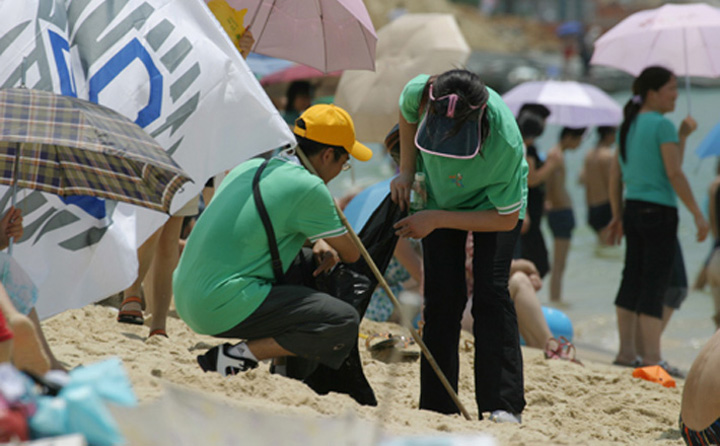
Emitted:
pixel 383 283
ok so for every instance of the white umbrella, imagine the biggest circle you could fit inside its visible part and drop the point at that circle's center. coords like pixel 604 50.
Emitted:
pixel 571 104
pixel 683 38
pixel 408 46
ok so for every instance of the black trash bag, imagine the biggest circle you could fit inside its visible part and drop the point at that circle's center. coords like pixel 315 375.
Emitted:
pixel 378 237
pixel 354 284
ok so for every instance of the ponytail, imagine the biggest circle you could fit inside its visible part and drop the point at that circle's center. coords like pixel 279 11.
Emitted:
pixel 651 78
pixel 630 112
pixel 471 89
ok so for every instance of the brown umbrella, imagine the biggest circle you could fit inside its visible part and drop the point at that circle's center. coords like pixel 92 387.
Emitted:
pixel 68 146
pixel 410 45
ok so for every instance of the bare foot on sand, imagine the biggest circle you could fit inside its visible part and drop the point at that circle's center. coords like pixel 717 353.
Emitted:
pixel 27 348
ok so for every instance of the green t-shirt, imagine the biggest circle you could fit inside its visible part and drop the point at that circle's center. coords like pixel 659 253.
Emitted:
pixel 225 271
pixel 496 178
pixel 643 170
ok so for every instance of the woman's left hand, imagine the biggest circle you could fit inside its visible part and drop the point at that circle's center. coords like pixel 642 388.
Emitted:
pixel 417 226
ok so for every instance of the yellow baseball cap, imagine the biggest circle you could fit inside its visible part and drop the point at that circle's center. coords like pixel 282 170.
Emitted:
pixel 331 125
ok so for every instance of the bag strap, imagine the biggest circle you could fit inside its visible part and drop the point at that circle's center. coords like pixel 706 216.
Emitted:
pixel 272 241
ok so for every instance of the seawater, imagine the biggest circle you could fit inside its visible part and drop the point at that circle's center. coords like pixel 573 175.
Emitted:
pixel 592 275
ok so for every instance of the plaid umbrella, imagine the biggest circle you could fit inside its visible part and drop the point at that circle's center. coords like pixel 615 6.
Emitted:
pixel 68 146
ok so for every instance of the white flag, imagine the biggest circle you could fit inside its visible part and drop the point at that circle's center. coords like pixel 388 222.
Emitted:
pixel 165 64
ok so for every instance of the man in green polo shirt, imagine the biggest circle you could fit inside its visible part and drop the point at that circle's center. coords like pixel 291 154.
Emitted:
pixel 225 284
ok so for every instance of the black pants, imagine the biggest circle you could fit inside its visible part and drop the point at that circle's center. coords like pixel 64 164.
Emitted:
pixel 650 239
pixel 498 359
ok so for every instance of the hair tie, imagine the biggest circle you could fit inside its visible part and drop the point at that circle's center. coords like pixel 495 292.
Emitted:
pixel 452 102
pixel 637 99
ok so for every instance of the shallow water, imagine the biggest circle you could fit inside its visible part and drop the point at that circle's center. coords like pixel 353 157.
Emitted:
pixel 592 276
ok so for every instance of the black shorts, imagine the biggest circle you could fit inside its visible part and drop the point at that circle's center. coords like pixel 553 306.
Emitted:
pixel 304 321
pixel 599 216
pixel 561 222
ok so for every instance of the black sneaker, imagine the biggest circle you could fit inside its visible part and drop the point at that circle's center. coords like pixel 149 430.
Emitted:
pixel 217 359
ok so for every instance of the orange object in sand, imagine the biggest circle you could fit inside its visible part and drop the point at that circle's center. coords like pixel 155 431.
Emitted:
pixel 654 373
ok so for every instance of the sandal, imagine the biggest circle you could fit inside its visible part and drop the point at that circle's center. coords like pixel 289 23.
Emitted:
pixel 134 317
pixel 384 343
pixel 561 349
pixel 672 371
pixel 158 332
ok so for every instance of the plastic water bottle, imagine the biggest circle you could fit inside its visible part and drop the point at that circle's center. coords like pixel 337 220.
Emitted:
pixel 418 193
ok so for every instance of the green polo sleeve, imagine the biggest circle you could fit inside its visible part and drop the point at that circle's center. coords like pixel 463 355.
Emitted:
pixel 411 96
pixel 316 216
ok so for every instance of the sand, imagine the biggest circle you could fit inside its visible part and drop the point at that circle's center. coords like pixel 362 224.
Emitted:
pixel 566 403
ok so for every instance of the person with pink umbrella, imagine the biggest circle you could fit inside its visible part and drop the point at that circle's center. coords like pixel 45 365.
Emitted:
pixel 648 164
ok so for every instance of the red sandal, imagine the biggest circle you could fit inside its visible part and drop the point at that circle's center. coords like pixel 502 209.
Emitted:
pixel 134 317
pixel 158 332
pixel 561 349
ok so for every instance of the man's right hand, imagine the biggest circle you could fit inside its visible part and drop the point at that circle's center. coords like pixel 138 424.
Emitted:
pixel 325 256
pixel 400 189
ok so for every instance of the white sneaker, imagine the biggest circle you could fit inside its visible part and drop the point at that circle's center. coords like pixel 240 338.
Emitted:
pixel 503 416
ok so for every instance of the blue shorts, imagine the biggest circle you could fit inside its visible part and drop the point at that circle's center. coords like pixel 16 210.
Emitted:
pixel 561 222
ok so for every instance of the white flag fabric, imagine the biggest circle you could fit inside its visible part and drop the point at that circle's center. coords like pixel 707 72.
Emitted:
pixel 165 64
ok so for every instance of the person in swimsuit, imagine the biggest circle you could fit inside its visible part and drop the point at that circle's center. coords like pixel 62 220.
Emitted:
pixel 531 122
pixel 560 213
pixel 596 177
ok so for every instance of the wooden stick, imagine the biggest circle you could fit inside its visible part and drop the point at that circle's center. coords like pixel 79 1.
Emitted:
pixel 381 280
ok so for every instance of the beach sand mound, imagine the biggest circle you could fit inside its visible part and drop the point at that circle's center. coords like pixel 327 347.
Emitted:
pixel 566 403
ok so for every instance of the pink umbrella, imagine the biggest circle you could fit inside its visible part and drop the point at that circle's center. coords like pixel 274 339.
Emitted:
pixel 295 73
pixel 571 104
pixel 328 35
pixel 684 38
